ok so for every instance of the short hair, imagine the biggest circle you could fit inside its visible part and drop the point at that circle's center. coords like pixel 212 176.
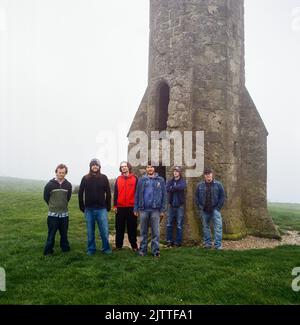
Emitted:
pixel 149 163
pixel 61 166
pixel 128 165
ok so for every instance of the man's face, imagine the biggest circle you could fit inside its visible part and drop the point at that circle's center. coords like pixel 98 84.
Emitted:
pixel 150 170
pixel 208 178
pixel 95 168
pixel 124 168
pixel 60 173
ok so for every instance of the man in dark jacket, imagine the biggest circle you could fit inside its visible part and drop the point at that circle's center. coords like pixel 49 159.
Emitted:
pixel 150 205
pixel 95 201
pixel 210 198
pixel 57 194
pixel 175 188
pixel 124 191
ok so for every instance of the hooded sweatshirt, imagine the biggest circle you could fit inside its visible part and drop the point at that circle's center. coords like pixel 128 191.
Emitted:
pixel 94 192
pixel 124 191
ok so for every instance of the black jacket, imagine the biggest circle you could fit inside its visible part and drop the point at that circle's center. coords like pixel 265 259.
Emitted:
pixel 94 192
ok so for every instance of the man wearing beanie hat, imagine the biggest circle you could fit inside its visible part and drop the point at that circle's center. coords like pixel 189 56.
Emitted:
pixel 95 201
pixel 175 188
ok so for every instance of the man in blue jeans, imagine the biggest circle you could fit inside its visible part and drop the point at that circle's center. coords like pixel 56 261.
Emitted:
pixel 95 201
pixel 150 205
pixel 175 188
pixel 210 198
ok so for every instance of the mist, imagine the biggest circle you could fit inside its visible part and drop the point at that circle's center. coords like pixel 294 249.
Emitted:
pixel 72 75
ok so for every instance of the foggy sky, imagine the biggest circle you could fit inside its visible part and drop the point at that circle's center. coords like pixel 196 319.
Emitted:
pixel 72 75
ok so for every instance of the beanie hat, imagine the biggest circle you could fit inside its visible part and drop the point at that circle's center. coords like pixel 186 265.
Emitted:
pixel 95 161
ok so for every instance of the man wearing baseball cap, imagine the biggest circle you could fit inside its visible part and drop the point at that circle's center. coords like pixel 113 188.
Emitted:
pixel 175 188
pixel 95 201
pixel 210 198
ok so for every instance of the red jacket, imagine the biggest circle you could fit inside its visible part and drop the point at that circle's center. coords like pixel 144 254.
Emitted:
pixel 125 187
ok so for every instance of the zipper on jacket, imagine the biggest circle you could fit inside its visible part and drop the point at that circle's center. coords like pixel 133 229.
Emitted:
pixel 125 187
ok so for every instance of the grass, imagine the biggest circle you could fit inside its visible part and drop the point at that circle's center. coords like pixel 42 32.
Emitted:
pixel 185 276
pixel 285 215
pixel 12 184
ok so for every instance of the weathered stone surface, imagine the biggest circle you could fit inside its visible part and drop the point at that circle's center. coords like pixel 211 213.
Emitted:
pixel 197 49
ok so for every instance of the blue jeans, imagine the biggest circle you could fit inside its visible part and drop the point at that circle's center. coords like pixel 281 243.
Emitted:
pixel 178 215
pixel 216 218
pixel 99 216
pixel 149 218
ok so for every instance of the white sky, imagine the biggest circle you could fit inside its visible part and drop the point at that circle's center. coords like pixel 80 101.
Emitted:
pixel 72 75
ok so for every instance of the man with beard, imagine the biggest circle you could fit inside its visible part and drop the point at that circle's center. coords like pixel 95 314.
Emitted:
pixel 95 201
pixel 124 191
pixel 150 205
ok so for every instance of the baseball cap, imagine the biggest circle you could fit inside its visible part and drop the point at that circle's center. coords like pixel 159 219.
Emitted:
pixel 207 170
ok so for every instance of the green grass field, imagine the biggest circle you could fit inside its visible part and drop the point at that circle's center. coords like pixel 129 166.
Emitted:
pixel 187 276
pixel 285 215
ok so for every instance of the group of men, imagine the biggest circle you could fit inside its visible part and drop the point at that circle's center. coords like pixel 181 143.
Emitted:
pixel 148 199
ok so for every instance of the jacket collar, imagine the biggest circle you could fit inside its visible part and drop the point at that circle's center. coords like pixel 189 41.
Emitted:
pixel 147 177
pixel 55 181
pixel 213 181
pixel 129 176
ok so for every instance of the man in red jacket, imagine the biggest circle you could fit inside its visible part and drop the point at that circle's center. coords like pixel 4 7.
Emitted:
pixel 125 187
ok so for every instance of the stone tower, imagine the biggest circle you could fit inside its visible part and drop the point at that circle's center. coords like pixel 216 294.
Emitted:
pixel 196 82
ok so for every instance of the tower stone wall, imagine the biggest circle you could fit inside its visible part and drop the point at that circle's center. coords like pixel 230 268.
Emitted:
pixel 197 49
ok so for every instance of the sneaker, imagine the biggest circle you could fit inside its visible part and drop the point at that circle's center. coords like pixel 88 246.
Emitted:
pixel 157 255
pixel 218 248
pixel 117 249
pixel 139 253
pixel 169 244
pixel 135 249
pixel 177 245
